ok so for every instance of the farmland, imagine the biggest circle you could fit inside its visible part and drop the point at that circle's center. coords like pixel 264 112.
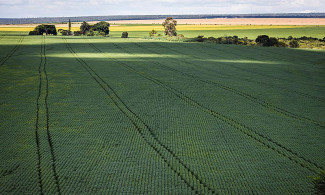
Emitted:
pixel 191 30
pixel 134 116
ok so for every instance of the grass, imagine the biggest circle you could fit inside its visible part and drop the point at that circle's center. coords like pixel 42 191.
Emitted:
pixel 110 115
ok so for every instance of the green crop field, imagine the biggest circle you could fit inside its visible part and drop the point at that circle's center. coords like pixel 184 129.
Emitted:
pixel 89 115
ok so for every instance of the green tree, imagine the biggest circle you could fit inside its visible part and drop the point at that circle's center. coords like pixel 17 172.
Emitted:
pixel 85 27
pixel 47 29
pixel 101 27
pixel 170 26
pixel 125 35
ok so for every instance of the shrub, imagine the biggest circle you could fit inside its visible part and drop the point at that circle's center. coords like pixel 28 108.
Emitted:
pixel 290 38
pixel 125 35
pixel 200 38
pixel 319 182
pixel 180 35
pixel 77 33
pixel 34 32
pixel 294 44
pixel 273 41
pixel 282 44
pixel 152 33
pixel 101 34
pixel 64 32
pixel 90 33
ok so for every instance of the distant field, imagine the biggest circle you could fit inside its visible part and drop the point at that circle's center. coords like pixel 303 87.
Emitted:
pixel 250 31
pixel 92 115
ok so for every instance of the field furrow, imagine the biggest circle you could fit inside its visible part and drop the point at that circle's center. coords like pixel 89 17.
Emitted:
pixel 181 170
pixel 48 177
pixel 12 52
pixel 243 94
pixel 108 115
pixel 255 135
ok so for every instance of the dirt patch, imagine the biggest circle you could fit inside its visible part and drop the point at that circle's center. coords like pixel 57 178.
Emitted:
pixel 235 21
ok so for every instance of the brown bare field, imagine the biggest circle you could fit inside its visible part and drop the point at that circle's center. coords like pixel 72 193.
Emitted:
pixel 235 21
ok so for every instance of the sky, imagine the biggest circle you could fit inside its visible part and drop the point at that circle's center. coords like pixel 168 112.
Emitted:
pixel 68 8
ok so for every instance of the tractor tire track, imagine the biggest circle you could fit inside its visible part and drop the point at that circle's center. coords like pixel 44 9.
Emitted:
pixel 238 92
pixel 12 52
pixel 49 137
pixel 260 138
pixel 43 93
pixel 38 150
pixel 167 155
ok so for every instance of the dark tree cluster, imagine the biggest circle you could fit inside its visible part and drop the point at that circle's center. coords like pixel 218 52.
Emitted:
pixel 100 28
pixel 266 41
pixel 43 28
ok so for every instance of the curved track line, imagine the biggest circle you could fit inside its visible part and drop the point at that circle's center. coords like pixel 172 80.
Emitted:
pixel 146 133
pixel 238 92
pixel 268 142
pixel 12 52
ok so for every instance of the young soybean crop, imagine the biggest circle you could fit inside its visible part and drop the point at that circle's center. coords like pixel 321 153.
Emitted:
pixel 103 115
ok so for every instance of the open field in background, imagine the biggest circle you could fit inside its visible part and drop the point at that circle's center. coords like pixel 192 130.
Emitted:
pixel 250 31
pixel 133 116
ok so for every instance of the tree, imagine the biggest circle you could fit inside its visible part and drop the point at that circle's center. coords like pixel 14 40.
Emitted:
pixel 101 27
pixel 170 26
pixel 125 35
pixel 85 27
pixel 266 41
pixel 70 27
pixel 47 29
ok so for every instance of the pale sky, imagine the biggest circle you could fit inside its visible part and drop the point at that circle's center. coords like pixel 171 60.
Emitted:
pixel 61 8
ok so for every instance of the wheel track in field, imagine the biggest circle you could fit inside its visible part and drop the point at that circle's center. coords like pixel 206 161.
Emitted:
pixel 264 83
pixel 262 139
pixel 235 91
pixel 180 169
pixel 44 92
pixel 251 58
pixel 12 52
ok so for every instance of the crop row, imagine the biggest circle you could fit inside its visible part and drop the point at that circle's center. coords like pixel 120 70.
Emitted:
pixel 244 55
pixel 169 157
pixel 243 94
pixel 265 140
pixel 12 52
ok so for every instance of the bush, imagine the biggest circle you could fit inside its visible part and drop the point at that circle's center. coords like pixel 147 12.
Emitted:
pixel 125 35
pixel 273 41
pixel 34 32
pixel 101 34
pixel 290 38
pixel 152 33
pixel 64 32
pixel 77 33
pixel 200 38
pixel 294 44
pixel 319 182
pixel 90 33
pixel 180 35
pixel 282 44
